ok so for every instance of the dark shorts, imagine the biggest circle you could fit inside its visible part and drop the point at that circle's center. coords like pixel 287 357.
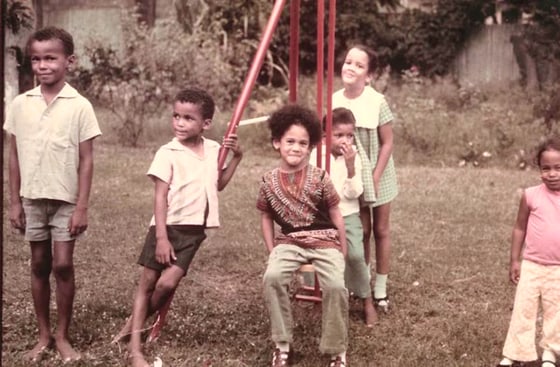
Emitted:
pixel 185 240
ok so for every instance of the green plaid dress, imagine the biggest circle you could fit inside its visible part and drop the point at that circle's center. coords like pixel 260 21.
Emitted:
pixel 371 110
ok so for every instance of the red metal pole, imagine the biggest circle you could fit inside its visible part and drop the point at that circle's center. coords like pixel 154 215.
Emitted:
pixel 320 69
pixel 294 50
pixel 252 75
pixel 330 74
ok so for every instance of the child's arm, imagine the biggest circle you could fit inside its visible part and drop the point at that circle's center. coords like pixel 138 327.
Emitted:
pixel 267 227
pixel 338 221
pixel 78 220
pixel 226 174
pixel 517 240
pixel 16 214
pixel 164 250
pixel 385 133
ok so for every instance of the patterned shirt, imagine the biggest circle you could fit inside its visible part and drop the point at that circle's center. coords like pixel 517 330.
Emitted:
pixel 299 203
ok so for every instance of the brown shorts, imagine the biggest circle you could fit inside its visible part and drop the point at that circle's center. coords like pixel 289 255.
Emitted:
pixel 185 240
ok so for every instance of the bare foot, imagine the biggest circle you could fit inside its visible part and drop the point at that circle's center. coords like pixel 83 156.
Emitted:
pixel 137 360
pixel 37 353
pixel 67 353
pixel 370 314
pixel 124 333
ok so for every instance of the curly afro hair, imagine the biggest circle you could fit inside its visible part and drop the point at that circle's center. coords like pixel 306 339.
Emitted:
pixel 293 114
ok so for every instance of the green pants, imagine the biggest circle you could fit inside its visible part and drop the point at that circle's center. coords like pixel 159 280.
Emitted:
pixel 357 274
pixel 283 261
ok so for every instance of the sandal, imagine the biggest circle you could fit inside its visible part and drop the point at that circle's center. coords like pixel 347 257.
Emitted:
pixel 382 303
pixel 337 362
pixel 280 359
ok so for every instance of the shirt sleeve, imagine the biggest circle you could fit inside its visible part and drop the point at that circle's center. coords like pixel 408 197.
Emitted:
pixel 262 203
pixel 89 127
pixel 353 187
pixel 9 122
pixel 385 114
pixel 161 166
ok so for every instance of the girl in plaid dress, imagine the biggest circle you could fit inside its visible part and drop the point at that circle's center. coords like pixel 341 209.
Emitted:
pixel 375 145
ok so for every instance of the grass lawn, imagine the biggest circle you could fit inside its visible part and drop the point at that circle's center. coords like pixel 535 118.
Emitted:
pixel 449 284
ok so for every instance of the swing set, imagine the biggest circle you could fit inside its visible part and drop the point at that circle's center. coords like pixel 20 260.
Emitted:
pixel 248 86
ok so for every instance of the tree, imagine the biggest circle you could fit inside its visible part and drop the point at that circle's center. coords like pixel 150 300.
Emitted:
pixel 138 82
pixel 18 18
pixel 542 38
pixel 19 14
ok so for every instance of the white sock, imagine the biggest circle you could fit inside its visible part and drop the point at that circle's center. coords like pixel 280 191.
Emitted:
pixel 506 362
pixel 284 347
pixel 380 286
pixel 548 355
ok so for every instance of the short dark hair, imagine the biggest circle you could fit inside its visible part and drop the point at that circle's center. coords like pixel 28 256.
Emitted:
pixel 52 33
pixel 550 143
pixel 373 60
pixel 293 114
pixel 340 115
pixel 198 97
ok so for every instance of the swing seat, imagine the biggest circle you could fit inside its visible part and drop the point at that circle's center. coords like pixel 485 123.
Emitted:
pixel 305 292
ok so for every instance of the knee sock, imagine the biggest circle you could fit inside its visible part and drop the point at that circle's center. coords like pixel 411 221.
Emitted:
pixel 548 355
pixel 283 346
pixel 380 286
pixel 506 362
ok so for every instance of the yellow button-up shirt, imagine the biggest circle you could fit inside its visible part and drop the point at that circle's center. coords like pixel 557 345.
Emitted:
pixel 48 138
pixel 192 180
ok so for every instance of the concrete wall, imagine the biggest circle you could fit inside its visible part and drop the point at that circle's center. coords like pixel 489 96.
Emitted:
pixel 88 20
pixel 87 25
pixel 488 57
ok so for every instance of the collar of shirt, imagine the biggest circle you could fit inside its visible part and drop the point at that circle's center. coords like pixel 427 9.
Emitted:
pixel 175 144
pixel 66 92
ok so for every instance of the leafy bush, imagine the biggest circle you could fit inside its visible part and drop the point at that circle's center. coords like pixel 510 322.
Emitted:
pixel 139 82
pixel 437 122
pixel 430 41
pixel 546 106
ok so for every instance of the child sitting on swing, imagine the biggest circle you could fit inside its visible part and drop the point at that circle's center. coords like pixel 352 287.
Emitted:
pixel 302 200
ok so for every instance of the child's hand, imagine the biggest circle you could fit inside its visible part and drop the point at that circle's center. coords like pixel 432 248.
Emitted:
pixel 232 144
pixel 17 216
pixel 78 221
pixel 164 252
pixel 514 271
pixel 349 154
pixel 376 179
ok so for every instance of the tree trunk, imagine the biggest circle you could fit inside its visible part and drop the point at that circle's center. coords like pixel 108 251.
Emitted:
pixel 147 11
pixel 527 64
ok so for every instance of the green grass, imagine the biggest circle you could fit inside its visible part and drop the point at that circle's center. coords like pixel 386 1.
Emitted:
pixel 450 228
